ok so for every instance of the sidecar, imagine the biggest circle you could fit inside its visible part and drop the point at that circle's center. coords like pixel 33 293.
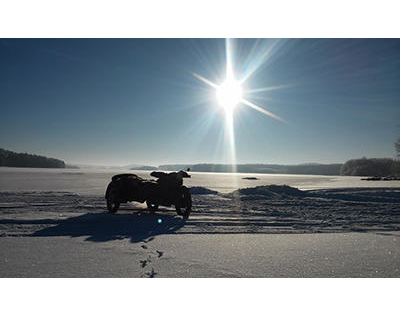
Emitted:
pixel 127 187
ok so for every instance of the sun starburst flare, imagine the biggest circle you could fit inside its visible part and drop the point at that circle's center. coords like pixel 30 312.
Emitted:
pixel 230 92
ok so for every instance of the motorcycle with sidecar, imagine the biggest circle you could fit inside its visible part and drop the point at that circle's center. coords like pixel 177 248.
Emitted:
pixel 167 190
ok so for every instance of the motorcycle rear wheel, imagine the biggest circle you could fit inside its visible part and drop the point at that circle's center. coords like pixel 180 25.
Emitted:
pixel 188 204
pixel 184 213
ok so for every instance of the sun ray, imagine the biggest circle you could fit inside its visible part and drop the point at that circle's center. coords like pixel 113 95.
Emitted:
pixel 231 139
pixel 229 66
pixel 210 83
pixel 256 107
pixel 270 88
pixel 261 60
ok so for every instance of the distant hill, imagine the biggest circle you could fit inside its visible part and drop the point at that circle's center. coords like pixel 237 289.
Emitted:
pixel 143 168
pixel 124 167
pixel 12 159
pixel 315 169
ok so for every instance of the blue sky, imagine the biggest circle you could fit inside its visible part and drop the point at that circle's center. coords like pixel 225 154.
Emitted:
pixel 136 101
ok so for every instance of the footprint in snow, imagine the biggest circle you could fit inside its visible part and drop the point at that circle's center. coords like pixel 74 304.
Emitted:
pixel 148 240
pixel 151 273
pixel 160 253
pixel 143 263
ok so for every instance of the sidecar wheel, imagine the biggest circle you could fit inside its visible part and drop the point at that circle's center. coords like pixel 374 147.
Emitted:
pixel 186 213
pixel 112 204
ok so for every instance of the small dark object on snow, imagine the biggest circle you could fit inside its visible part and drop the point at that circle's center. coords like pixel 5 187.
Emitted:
pixel 388 178
pixel 250 178
pixel 167 190
pixel 372 179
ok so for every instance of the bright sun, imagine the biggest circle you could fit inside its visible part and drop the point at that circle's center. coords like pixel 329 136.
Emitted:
pixel 229 94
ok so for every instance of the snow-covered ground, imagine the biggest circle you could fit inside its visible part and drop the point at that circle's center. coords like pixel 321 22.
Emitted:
pixel 204 255
pixel 265 231
pixel 256 233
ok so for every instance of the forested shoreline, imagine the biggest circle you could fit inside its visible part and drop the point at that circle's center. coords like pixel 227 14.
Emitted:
pixel 315 169
pixel 380 167
pixel 12 159
pixel 374 167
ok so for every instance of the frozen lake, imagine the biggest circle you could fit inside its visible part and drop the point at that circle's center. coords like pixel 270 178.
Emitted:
pixel 340 232
pixel 94 181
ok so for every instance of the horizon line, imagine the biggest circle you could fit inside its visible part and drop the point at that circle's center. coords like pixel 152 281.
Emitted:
pixel 202 163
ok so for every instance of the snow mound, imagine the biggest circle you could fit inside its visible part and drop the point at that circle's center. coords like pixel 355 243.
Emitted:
pixel 201 191
pixel 268 192
pixel 377 195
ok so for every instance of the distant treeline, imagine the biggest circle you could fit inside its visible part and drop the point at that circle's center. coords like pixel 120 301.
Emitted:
pixel 144 168
pixel 13 159
pixel 375 167
pixel 379 167
pixel 315 169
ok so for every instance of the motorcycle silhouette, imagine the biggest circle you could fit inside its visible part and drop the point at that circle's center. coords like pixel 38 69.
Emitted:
pixel 167 190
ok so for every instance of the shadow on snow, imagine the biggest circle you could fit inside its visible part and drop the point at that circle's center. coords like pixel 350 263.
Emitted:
pixel 100 227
